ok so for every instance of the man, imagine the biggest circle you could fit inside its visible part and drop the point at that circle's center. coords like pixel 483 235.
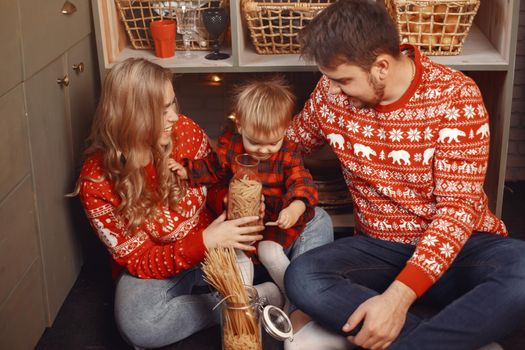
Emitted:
pixel 412 138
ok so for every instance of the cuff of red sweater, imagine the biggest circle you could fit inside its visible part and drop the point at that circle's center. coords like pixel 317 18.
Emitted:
pixel 415 278
pixel 194 248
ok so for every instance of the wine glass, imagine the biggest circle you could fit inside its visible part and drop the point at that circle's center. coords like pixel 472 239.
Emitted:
pixel 186 15
pixel 215 20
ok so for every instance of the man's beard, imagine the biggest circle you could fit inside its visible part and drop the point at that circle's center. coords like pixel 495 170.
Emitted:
pixel 379 93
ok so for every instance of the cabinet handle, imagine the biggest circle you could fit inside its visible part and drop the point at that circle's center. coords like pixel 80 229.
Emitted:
pixel 68 8
pixel 79 68
pixel 64 81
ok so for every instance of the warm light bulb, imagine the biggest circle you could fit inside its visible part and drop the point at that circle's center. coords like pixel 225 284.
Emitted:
pixel 215 78
pixel 231 117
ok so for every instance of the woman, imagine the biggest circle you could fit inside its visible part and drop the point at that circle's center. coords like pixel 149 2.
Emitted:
pixel 154 225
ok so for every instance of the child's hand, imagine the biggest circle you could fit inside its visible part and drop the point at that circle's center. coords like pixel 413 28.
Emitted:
pixel 178 169
pixel 289 215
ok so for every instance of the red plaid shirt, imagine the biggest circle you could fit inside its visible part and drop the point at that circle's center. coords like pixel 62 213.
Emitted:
pixel 284 180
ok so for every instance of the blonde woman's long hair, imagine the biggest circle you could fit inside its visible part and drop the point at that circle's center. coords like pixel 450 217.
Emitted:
pixel 127 127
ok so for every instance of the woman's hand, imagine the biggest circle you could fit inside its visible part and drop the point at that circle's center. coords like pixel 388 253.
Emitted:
pixel 232 233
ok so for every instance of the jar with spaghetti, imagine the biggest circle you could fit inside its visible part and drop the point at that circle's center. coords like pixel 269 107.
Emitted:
pixel 242 319
pixel 245 189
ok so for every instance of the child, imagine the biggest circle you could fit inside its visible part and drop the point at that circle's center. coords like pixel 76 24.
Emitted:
pixel 263 110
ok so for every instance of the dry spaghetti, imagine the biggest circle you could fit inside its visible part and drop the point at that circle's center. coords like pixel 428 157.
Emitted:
pixel 241 329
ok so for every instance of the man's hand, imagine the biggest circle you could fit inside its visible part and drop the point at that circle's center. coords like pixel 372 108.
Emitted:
pixel 384 316
pixel 289 215
pixel 178 169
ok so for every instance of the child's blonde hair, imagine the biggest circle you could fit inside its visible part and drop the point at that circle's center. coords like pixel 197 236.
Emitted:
pixel 265 105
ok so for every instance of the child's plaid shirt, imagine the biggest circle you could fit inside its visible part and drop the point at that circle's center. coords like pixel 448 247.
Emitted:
pixel 284 179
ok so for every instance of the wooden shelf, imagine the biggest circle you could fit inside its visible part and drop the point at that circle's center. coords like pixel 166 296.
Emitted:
pixel 196 63
pixel 478 55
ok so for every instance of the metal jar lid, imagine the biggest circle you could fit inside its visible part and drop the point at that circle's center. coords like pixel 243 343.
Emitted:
pixel 276 323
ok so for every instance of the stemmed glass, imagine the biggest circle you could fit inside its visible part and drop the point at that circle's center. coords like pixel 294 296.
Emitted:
pixel 186 15
pixel 215 20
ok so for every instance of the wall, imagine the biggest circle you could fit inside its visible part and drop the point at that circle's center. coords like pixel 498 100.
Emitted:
pixel 516 154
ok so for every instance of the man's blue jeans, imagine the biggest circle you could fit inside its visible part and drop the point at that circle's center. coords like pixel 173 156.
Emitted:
pixel 480 298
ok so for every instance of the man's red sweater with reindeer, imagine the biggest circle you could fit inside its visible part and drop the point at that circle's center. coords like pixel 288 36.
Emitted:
pixel 415 168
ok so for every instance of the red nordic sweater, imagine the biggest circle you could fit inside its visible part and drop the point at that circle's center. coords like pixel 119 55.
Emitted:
pixel 415 168
pixel 169 243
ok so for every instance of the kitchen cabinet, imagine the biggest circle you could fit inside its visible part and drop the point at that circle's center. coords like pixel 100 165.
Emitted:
pixel 59 115
pixel 42 130
pixel 488 56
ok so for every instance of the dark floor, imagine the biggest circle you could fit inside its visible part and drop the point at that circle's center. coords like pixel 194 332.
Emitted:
pixel 85 321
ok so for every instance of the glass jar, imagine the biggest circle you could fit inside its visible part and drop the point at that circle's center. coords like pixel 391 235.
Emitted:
pixel 245 189
pixel 241 322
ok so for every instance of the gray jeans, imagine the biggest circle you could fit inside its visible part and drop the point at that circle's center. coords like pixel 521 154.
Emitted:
pixel 153 313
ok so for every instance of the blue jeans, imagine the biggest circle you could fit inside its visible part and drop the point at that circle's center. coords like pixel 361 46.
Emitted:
pixel 153 313
pixel 480 298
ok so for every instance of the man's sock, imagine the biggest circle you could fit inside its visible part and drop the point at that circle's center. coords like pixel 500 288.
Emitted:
pixel 272 256
pixel 245 266
pixel 314 337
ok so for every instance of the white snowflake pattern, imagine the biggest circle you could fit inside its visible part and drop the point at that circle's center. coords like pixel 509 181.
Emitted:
pixel 395 115
pixel 341 122
pixel 367 170
pixel 452 114
pixel 352 126
pixel 395 135
pixel 414 135
pixel 318 97
pixel 427 134
pixel 412 178
pixel 430 240
pixel 420 113
pixel 446 249
pixel 452 186
pixel 381 133
pixel 442 225
pixel 368 131
pixel 481 110
pixel 383 174
pixel 469 111
pixel 418 157
pixel 331 117
pixel 388 208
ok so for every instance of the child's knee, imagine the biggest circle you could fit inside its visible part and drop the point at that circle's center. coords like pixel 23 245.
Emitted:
pixel 269 251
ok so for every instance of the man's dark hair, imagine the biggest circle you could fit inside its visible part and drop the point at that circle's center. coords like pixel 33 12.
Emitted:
pixel 350 31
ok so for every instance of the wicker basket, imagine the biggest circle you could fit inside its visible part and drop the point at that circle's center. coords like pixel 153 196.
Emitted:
pixel 137 15
pixel 274 24
pixel 437 27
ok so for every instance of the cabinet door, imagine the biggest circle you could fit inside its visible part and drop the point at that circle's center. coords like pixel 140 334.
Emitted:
pixel 14 150
pixel 48 33
pixel 22 310
pixel 51 152
pixel 10 53
pixel 82 93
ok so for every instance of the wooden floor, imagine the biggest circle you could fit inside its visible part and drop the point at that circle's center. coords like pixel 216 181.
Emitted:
pixel 86 320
